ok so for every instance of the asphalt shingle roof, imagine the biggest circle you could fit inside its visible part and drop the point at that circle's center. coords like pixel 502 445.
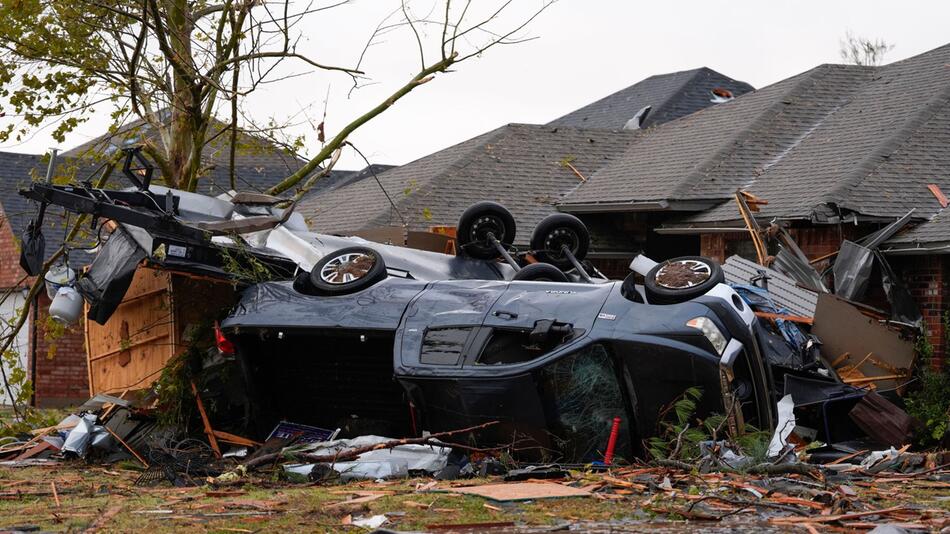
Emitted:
pixel 671 96
pixel 934 232
pixel 835 139
pixel 524 167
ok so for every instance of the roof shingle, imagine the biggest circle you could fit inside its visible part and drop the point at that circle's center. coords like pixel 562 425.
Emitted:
pixel 525 167
pixel 833 140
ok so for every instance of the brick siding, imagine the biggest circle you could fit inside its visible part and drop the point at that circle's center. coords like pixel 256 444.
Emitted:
pixel 61 375
pixel 10 272
pixel 928 279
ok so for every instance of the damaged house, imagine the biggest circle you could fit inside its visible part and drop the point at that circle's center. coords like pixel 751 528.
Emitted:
pixel 53 357
pixel 838 152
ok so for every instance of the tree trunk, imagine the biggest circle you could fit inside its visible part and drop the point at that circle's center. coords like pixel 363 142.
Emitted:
pixel 184 108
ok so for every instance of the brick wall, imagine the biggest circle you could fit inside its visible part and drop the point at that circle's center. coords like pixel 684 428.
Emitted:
pixel 61 375
pixel 928 279
pixel 10 272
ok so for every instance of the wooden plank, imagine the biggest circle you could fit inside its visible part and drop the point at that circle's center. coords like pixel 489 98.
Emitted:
pixel 941 198
pixel 146 313
pixel 792 318
pixel 89 348
pixel 126 445
pixel 234 439
pixel 130 346
pixel 204 420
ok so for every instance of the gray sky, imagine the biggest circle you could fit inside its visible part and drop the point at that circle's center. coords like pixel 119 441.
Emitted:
pixel 584 50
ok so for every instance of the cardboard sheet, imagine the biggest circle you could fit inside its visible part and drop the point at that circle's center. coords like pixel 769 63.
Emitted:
pixel 520 491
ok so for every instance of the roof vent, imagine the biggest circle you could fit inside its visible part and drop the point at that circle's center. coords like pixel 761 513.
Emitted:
pixel 637 121
pixel 721 95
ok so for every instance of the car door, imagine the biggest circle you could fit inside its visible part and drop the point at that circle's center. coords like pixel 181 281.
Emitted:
pixel 441 321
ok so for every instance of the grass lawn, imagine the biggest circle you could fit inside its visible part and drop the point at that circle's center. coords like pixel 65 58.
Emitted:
pixel 101 499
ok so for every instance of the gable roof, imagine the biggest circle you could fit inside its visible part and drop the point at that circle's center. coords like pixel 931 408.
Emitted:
pixel 259 164
pixel 831 141
pixel 670 96
pixel 525 167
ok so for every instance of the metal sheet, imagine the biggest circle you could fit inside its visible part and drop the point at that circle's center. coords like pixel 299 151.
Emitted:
pixel 852 270
pixel 783 289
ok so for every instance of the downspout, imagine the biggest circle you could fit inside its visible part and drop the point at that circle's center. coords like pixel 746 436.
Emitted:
pixel 36 302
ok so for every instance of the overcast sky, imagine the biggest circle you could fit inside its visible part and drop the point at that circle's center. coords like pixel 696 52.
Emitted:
pixel 585 49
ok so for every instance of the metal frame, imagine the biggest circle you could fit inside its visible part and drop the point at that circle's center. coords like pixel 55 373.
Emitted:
pixel 120 206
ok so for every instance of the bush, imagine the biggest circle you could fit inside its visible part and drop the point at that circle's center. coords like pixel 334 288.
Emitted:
pixel 929 403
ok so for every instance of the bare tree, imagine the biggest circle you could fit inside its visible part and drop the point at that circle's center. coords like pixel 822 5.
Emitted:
pixel 172 64
pixel 863 51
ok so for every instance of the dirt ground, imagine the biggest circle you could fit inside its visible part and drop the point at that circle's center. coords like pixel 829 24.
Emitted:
pixel 77 498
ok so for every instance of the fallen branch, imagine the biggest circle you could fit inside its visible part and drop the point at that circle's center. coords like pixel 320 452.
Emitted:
pixel 431 439
pixel 746 504
pixel 758 469
pixel 839 517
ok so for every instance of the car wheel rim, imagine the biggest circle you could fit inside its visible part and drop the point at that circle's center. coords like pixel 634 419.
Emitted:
pixel 487 224
pixel 683 274
pixel 347 268
pixel 557 239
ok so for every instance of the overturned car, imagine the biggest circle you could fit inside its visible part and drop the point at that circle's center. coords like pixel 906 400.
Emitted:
pixel 388 340
pixel 555 363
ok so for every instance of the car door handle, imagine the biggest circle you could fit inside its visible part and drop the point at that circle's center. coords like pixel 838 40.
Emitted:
pixel 505 314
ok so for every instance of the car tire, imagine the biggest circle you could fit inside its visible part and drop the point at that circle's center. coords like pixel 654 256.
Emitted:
pixel 681 279
pixel 347 270
pixel 476 222
pixel 556 230
pixel 540 272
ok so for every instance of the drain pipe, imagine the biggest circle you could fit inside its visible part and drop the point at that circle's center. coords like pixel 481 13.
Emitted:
pixel 36 302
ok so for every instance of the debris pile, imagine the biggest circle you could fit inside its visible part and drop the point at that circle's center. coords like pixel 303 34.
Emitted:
pixel 104 429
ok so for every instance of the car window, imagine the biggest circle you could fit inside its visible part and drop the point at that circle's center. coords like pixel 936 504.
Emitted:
pixel 582 396
pixel 509 346
pixel 517 345
pixel 444 346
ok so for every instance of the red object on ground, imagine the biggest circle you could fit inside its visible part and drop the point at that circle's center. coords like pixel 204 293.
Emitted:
pixel 612 442
pixel 224 344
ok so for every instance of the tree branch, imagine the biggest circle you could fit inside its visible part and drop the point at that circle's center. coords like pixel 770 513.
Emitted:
pixel 422 77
